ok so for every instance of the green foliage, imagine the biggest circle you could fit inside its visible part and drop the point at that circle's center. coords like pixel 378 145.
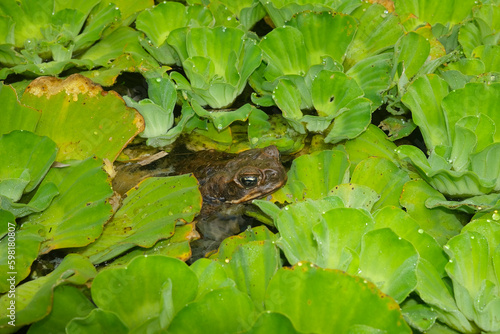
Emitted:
pixel 148 214
pixel 164 291
pixel 160 21
pixel 373 310
pixel 459 128
pixel 394 216
pixel 80 118
pixel 217 61
pixel 34 298
pixel 39 31
pixel 31 158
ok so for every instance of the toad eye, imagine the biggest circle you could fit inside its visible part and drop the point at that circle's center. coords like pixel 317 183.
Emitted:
pixel 249 181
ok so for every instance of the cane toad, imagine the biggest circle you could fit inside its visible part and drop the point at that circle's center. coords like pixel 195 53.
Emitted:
pixel 223 177
pixel 226 181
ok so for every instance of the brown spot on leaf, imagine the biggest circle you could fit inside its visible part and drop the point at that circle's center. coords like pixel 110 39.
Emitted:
pixel 73 85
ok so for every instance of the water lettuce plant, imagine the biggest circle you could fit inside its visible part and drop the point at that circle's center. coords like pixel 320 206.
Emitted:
pixel 157 24
pixel 459 129
pixel 185 294
pixel 217 61
pixel 47 37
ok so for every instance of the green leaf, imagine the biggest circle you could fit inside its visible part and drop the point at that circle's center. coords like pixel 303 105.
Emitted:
pixel 217 61
pixel 408 228
pixel 158 120
pixel 252 266
pixel 437 173
pixel 211 275
pixel 489 55
pixel 168 138
pixel 33 299
pixel 287 98
pixel 378 30
pixel 29 17
pixel 81 118
pixel 30 157
pixel 417 12
pixel 15 116
pixel 158 110
pixel 433 290
pixel 136 298
pixel 176 246
pixel 411 51
pixel 159 21
pixel 7 222
pixel 234 312
pixel 389 262
pixel 373 76
pixel 474 279
pixel 295 224
pixel 313 176
pixel 149 213
pixel 321 300
pixel 371 143
pixel 472 100
pixel 7 30
pixel 123 40
pixel 272 322
pixel 97 321
pixel 40 201
pixel 284 51
pixel 423 98
pixel 221 120
pixel 248 12
pixel 69 302
pixel 482 203
pixel 352 122
pixel 356 196
pixel 281 11
pixel 338 238
pixel 472 35
pixel 388 183
pixel 419 316
pixel 76 216
pixel 223 16
pixel 230 245
pixel 164 18
pixel 101 17
pixel 489 228
pixel 264 130
pixel 440 223
pixel 26 244
pixel 332 92
pixel 325 34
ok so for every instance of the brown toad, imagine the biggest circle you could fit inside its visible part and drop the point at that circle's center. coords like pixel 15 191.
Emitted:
pixel 223 177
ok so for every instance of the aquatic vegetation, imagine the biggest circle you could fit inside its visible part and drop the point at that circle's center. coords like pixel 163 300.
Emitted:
pixel 378 229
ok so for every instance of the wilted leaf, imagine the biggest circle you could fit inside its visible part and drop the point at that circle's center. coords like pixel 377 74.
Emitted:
pixel 81 118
